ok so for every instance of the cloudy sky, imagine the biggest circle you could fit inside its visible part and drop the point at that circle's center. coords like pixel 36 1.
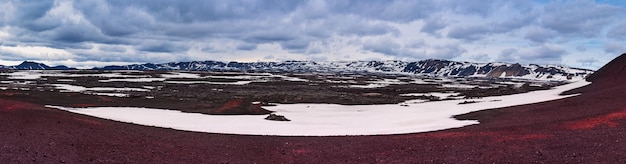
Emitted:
pixel 87 33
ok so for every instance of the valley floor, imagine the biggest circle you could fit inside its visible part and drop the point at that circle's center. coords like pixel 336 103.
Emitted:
pixel 581 129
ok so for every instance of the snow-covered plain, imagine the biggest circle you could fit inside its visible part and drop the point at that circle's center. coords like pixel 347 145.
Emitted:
pixel 440 95
pixel 38 74
pixel 209 82
pixel 327 119
pixel 74 88
pixel 86 90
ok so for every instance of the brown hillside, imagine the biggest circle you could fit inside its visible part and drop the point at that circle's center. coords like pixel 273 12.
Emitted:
pixel 614 71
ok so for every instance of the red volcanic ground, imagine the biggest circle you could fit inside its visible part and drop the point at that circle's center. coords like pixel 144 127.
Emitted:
pixel 582 129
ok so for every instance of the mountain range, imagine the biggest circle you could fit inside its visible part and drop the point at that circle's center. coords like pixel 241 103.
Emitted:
pixel 28 65
pixel 430 67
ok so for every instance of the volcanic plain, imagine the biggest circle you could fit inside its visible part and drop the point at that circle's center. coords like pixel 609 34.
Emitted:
pixel 585 128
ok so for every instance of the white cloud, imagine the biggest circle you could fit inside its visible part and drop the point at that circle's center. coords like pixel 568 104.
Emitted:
pixel 33 53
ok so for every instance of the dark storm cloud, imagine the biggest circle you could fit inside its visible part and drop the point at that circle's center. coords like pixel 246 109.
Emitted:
pixel 246 46
pixel 295 45
pixel 447 51
pixel 469 32
pixel 78 46
pixel 619 31
pixel 112 48
pixel 384 46
pixel 433 25
pixel 477 7
pixel 537 34
pixel 615 48
pixel 155 46
pixel 414 50
pixel 106 30
pixel 480 31
pixel 396 11
pixel 578 18
pixel 13 56
pixel 30 11
pixel 543 54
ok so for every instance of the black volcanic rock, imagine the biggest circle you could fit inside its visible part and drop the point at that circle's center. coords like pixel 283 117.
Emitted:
pixel 275 117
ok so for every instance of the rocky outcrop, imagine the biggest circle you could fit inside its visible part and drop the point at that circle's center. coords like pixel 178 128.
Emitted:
pixel 240 107
pixel 512 70
pixel 275 117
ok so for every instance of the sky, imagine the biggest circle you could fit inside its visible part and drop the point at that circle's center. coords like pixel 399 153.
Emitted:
pixel 93 33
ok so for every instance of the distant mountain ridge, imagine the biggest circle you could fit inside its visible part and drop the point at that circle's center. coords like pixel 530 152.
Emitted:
pixel 28 65
pixel 430 67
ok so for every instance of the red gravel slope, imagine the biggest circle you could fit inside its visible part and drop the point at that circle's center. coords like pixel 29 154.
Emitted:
pixel 581 129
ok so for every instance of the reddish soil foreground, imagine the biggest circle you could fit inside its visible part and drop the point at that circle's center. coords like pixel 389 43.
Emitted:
pixel 582 129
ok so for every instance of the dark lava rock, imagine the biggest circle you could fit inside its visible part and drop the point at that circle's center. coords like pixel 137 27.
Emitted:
pixel 275 117
pixel 467 102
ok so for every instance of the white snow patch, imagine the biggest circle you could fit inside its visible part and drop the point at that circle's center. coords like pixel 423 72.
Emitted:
pixel 111 94
pixel 294 79
pixel 327 119
pixel 460 86
pixel 74 88
pixel 436 94
pixel 38 74
pixel 181 75
pixel 209 82
pixel 66 80
pixel 369 86
pixel 133 80
pixel 420 81
pixel 515 84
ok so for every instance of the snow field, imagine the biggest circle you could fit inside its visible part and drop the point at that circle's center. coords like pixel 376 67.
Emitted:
pixel 328 119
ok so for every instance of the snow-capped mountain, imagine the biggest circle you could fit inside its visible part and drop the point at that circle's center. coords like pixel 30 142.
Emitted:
pixel 429 67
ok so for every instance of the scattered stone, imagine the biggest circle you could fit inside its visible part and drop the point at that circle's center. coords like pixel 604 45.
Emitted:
pixel 372 94
pixel 275 117
pixel 467 102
